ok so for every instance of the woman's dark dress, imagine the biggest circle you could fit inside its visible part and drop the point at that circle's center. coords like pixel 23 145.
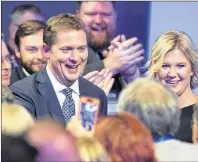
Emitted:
pixel 185 130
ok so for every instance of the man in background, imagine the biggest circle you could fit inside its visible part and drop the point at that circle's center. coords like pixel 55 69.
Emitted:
pixel 19 15
pixel 5 63
pixel 100 19
pixel 29 49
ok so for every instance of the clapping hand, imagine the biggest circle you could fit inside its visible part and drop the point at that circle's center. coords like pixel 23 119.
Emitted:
pixel 102 79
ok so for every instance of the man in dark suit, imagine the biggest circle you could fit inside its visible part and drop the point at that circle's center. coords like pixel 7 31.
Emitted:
pixel 29 44
pixel 55 90
pixel 123 56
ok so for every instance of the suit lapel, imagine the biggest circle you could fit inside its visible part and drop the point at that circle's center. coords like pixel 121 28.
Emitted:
pixel 82 87
pixel 20 72
pixel 47 91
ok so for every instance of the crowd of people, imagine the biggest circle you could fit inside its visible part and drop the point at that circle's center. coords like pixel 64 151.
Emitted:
pixel 47 65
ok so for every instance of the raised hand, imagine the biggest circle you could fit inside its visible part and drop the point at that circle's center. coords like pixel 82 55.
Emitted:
pixel 102 79
pixel 123 54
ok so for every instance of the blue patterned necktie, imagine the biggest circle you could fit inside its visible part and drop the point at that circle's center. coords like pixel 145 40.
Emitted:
pixel 68 107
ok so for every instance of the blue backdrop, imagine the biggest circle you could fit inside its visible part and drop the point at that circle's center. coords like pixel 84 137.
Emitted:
pixel 133 17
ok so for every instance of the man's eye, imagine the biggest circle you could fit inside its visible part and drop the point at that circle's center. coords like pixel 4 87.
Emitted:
pixel 90 14
pixel 82 49
pixel 32 50
pixel 65 50
pixel 107 14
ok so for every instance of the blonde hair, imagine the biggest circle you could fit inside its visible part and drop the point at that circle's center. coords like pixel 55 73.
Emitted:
pixel 90 149
pixel 15 119
pixel 153 103
pixel 168 41
pixel 195 113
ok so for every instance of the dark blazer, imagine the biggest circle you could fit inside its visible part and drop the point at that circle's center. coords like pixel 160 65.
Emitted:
pixel 17 74
pixel 93 63
pixel 36 93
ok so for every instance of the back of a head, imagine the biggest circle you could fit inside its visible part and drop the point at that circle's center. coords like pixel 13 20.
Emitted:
pixel 64 21
pixel 15 119
pixel 54 142
pixel 43 131
pixel 29 27
pixel 16 149
pixel 153 103
pixel 90 149
pixel 125 138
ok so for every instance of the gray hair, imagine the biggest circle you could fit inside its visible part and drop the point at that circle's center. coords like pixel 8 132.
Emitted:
pixel 6 95
pixel 153 103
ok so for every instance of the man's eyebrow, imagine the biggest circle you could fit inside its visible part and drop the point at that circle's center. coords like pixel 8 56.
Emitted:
pixel 83 46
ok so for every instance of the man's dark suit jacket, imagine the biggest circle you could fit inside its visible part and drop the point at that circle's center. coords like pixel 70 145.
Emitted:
pixel 17 74
pixel 36 93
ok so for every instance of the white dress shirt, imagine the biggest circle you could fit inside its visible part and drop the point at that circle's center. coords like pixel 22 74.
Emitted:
pixel 59 87
pixel 25 72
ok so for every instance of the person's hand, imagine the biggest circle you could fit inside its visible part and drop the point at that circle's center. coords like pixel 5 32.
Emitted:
pixel 126 53
pixel 108 81
pixel 102 79
pixel 119 38
pixel 95 77
pixel 76 128
pixel 131 74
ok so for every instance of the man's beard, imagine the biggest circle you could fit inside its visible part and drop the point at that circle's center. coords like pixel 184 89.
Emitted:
pixel 28 68
pixel 99 45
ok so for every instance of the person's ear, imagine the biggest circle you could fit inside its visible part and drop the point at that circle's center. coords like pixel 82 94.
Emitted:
pixel 78 13
pixel 46 50
pixel 17 52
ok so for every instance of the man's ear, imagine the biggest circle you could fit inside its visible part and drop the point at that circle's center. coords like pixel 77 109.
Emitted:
pixel 46 50
pixel 17 52
pixel 78 13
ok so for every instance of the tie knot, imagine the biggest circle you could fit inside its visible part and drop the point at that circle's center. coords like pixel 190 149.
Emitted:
pixel 67 92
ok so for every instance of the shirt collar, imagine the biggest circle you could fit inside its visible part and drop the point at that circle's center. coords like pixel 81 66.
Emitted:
pixel 25 71
pixel 58 87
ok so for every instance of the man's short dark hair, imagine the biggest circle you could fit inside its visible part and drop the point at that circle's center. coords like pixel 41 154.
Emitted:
pixel 28 28
pixel 80 3
pixel 17 149
pixel 20 9
pixel 64 21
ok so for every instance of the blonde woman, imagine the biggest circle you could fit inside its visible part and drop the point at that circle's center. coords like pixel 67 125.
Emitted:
pixel 91 150
pixel 15 119
pixel 174 61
